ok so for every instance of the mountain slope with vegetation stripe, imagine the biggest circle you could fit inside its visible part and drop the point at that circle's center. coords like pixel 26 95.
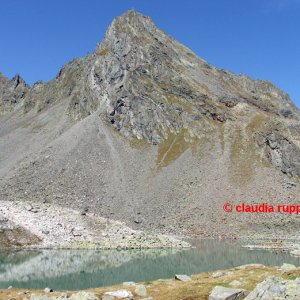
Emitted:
pixel 146 132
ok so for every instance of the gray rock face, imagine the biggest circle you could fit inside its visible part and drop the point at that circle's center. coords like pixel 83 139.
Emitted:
pixel 12 92
pixel 70 84
pixel 283 153
pixel 148 86
pixel 223 293
pixel 276 288
pixel 151 85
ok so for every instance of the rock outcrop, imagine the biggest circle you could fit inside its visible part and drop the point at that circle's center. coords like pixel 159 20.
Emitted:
pixel 12 92
pixel 283 153
pixel 276 288
pixel 224 293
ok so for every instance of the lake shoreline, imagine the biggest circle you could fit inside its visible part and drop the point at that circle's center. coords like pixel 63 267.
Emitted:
pixel 198 286
pixel 259 243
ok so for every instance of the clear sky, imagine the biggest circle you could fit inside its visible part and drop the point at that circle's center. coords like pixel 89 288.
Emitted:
pixel 260 38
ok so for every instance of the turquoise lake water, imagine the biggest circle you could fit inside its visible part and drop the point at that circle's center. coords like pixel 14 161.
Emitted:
pixel 82 269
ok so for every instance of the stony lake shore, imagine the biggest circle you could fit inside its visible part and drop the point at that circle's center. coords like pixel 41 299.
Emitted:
pixel 28 225
pixel 48 226
pixel 249 282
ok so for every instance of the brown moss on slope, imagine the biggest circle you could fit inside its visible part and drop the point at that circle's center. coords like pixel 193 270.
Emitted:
pixel 17 237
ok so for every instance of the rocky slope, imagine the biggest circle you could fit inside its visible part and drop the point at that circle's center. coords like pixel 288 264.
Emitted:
pixel 146 132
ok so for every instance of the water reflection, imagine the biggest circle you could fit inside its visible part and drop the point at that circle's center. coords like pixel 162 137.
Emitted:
pixel 81 269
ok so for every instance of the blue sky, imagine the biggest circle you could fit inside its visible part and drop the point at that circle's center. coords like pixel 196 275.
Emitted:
pixel 260 38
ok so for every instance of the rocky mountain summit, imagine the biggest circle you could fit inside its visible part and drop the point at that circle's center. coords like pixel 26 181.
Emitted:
pixel 145 131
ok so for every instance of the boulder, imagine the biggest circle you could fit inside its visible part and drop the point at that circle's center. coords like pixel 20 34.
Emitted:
pixel 84 296
pixel 141 291
pixel 276 288
pixel 120 294
pixel 183 278
pixel 224 293
pixel 287 267
pixel 28 207
pixel 218 274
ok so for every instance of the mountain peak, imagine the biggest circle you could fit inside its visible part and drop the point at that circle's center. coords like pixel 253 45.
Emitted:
pixel 133 16
pixel 131 22
pixel 132 13
pixel 17 80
